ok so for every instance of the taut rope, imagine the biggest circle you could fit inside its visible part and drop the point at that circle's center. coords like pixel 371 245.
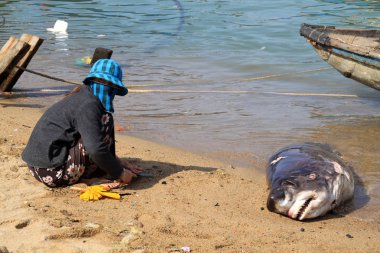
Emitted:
pixel 211 91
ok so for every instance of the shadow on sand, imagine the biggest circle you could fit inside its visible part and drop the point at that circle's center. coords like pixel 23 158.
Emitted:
pixel 156 172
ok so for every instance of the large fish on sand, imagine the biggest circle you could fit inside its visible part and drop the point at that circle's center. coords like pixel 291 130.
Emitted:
pixel 307 181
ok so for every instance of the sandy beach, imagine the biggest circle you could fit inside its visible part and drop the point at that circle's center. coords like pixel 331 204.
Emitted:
pixel 191 201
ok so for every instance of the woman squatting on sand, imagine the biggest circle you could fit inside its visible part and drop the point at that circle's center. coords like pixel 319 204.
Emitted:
pixel 75 138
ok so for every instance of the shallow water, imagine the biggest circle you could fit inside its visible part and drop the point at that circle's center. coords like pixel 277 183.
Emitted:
pixel 229 79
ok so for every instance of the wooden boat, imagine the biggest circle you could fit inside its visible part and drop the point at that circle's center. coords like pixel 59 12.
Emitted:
pixel 353 52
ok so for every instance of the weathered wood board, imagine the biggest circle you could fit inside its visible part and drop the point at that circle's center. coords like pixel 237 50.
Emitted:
pixel 16 53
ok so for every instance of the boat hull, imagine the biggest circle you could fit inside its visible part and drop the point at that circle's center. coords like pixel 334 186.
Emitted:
pixel 354 53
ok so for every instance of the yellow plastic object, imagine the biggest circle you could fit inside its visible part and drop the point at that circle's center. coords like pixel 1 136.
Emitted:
pixel 97 192
pixel 86 60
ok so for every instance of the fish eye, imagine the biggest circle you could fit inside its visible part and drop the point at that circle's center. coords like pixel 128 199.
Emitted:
pixel 312 176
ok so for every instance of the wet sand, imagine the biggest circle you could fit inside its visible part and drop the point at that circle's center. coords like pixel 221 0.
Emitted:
pixel 191 201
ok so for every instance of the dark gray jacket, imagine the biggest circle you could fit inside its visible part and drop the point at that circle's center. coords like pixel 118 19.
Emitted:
pixel 60 127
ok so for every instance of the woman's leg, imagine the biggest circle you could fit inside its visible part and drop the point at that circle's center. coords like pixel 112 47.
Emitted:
pixel 51 177
pixel 69 173
pixel 76 163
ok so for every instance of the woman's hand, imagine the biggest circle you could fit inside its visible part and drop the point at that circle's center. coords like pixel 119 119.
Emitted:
pixel 130 171
pixel 127 176
pixel 131 167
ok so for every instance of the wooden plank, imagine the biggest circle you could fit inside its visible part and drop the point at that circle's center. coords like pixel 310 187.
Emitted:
pixel 9 59
pixel 15 73
pixel 12 50
pixel 10 43
pixel 358 49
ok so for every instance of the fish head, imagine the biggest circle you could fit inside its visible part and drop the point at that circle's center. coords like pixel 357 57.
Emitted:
pixel 302 196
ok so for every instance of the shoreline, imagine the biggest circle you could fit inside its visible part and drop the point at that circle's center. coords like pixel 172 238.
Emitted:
pixel 191 201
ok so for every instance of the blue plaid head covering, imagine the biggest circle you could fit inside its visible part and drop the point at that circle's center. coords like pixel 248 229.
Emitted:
pixel 109 73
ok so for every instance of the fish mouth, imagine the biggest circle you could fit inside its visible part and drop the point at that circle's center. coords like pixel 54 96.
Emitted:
pixel 302 209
